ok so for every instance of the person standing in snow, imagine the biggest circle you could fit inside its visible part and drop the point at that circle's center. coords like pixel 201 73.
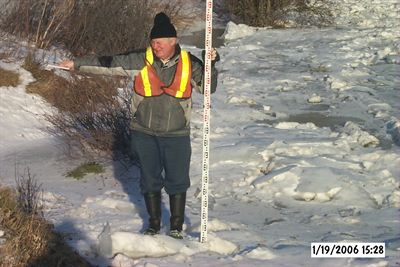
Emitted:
pixel 161 107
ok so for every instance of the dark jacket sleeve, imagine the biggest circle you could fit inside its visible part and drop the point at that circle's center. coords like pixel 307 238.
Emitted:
pixel 129 61
pixel 198 75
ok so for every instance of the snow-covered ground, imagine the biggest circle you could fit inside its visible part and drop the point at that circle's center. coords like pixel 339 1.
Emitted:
pixel 303 149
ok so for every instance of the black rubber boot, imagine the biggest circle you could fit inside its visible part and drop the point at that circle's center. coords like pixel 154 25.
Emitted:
pixel 153 206
pixel 177 207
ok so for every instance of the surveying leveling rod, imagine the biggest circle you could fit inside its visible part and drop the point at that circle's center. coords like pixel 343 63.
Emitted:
pixel 206 123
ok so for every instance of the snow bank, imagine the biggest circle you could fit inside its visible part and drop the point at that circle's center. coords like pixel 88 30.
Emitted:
pixel 21 114
pixel 260 253
pixel 113 204
pixel 138 245
pixel 236 31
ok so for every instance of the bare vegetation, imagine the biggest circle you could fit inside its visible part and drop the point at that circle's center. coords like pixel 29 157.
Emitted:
pixel 30 239
pixel 278 13
pixel 29 193
pixel 91 113
pixel 8 78
pixel 100 27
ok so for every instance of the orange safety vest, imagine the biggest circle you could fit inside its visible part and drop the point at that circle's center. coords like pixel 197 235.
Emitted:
pixel 147 83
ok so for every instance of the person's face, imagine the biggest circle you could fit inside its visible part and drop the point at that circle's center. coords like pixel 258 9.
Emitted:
pixel 163 48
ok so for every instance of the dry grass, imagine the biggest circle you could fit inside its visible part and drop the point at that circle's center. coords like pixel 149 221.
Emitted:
pixel 45 80
pixel 8 78
pixel 30 240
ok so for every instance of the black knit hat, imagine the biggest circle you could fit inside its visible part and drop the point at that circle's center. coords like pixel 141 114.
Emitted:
pixel 162 27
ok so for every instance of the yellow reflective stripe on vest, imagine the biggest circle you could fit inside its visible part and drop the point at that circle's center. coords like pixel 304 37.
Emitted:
pixel 145 73
pixel 185 73
pixel 149 55
pixel 146 82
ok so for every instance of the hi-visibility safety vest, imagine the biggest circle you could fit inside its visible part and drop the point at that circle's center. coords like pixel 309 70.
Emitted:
pixel 147 82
